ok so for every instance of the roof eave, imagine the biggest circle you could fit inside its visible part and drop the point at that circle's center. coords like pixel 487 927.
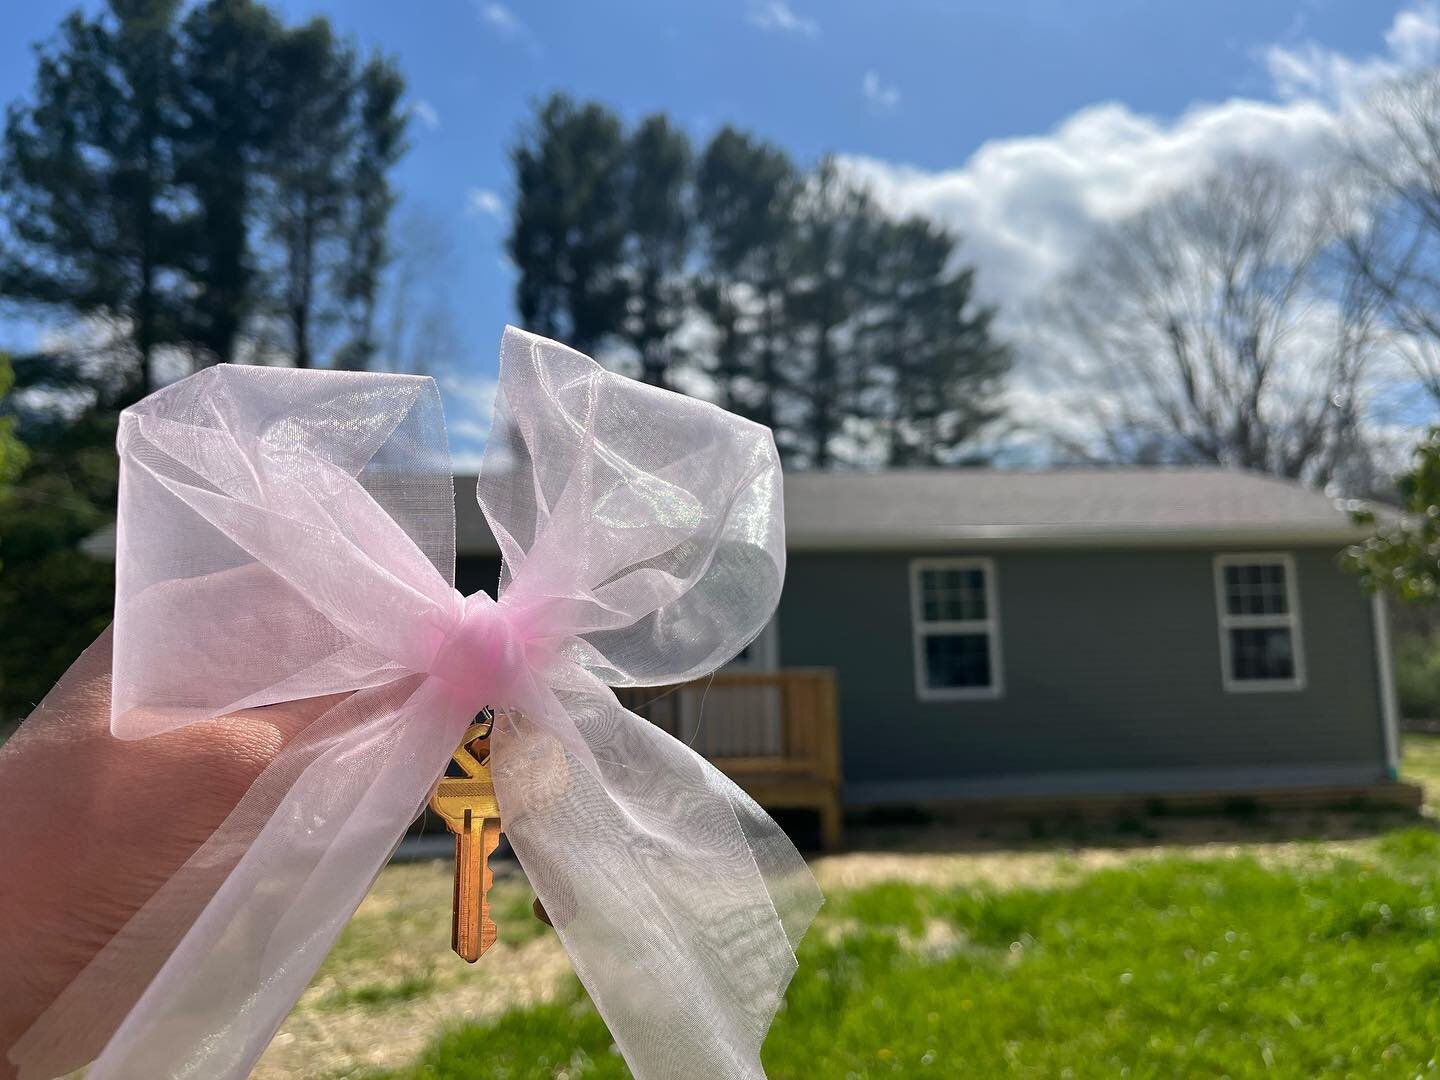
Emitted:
pixel 1012 536
pixel 1096 536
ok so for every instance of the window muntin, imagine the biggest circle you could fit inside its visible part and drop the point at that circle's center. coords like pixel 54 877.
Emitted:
pixel 1259 610
pixel 1255 589
pixel 956 629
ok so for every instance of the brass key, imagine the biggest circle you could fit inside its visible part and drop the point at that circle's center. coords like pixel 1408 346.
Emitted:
pixel 468 807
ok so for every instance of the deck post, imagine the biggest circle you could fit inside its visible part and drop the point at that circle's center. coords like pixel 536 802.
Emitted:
pixel 803 772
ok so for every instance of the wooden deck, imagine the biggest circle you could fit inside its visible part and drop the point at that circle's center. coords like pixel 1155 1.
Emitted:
pixel 775 733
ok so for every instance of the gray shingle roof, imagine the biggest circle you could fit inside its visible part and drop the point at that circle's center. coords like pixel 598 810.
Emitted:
pixel 934 508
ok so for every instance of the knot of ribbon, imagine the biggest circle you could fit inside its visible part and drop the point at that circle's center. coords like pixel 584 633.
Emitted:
pixel 289 535
pixel 490 653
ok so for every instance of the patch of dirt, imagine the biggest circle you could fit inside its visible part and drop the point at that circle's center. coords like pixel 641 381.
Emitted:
pixel 971 856
pixel 402 930
pixel 315 1043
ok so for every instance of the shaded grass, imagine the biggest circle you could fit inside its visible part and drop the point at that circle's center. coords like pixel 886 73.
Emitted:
pixel 1222 967
pixel 420 922
pixel 1417 675
pixel 371 995
pixel 565 1037
pixel 1420 764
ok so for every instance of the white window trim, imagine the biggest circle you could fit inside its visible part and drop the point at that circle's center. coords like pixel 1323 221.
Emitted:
pixel 765 650
pixel 1389 705
pixel 990 627
pixel 1229 622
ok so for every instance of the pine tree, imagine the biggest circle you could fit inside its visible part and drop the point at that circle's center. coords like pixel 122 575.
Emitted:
pixel 934 371
pixel 745 197
pixel 232 119
pixel 161 173
pixel 658 225
pixel 855 337
pixel 86 182
pixel 379 144
pixel 65 415
pixel 831 263
pixel 568 233
pixel 306 185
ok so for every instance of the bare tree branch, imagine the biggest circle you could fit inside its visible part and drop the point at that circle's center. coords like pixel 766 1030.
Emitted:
pixel 1209 328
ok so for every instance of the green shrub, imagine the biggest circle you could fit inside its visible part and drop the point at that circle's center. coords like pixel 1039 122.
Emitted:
pixel 1417 678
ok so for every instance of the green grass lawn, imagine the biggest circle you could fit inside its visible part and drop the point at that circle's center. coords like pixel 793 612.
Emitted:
pixel 1292 958
pixel 1171 967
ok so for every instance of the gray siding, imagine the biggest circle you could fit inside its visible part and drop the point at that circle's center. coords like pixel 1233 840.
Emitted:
pixel 476 572
pixel 1111 670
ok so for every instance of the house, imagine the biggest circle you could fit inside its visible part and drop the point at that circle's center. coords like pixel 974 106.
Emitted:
pixel 1144 632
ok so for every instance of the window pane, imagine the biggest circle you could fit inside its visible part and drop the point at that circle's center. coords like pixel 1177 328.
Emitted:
pixel 1261 653
pixel 1256 590
pixel 957 660
pixel 953 595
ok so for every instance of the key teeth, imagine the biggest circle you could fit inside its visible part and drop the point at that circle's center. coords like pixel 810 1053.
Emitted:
pixel 470 942
pixel 489 841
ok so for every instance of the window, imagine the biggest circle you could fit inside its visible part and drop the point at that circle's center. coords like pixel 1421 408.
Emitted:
pixel 1259 622
pixel 957 638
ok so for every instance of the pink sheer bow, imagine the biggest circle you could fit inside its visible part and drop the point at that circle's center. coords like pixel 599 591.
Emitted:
pixel 290 534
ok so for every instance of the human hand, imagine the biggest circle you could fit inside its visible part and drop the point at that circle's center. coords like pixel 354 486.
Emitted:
pixel 91 825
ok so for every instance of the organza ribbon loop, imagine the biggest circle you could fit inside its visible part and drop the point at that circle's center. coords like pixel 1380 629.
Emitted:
pixel 290 534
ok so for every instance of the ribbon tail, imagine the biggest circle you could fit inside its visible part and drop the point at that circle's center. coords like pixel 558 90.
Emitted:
pixel 678 899
pixel 236 935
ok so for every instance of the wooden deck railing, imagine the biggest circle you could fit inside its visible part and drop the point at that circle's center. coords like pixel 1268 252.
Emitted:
pixel 775 733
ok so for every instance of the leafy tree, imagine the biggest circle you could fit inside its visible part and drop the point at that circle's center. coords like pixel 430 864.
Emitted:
pixel 64 495
pixel 568 233
pixel 1402 558
pixel 13 456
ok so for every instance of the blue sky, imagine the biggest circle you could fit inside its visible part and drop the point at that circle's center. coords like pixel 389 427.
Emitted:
pixel 1018 121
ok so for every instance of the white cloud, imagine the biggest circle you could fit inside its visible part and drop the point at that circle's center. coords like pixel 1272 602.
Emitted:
pixel 469 409
pixel 1310 70
pixel 482 202
pixel 1414 36
pixel 502 19
pixel 880 96
pixel 1026 207
pixel 425 114
pixel 778 15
